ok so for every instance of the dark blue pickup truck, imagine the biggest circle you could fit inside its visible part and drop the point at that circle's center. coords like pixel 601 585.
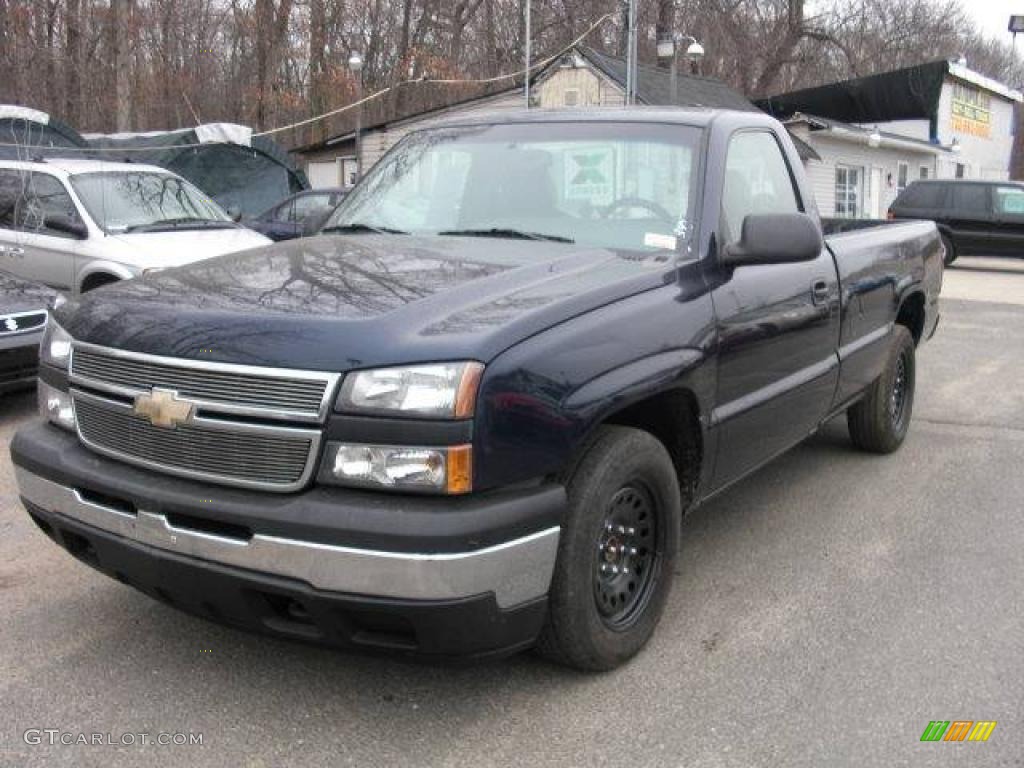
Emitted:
pixel 469 417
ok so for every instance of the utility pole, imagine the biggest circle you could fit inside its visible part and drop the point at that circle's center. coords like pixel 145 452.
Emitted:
pixel 529 53
pixel 631 53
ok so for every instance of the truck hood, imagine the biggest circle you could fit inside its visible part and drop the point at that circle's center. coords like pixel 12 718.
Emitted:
pixel 341 302
pixel 161 250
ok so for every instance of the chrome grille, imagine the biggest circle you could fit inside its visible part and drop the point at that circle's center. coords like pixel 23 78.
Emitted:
pixel 22 322
pixel 233 389
pixel 226 452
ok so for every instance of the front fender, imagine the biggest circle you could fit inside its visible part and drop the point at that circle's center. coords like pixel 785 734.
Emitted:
pixel 103 267
pixel 541 399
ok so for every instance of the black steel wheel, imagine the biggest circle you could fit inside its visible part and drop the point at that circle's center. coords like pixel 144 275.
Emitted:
pixel 880 421
pixel 628 554
pixel 616 552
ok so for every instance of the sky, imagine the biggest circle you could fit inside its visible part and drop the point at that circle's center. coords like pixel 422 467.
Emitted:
pixel 992 16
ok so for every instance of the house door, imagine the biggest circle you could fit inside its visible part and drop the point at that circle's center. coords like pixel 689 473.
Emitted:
pixel 876 212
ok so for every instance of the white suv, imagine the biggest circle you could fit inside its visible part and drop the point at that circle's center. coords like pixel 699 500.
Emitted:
pixel 77 224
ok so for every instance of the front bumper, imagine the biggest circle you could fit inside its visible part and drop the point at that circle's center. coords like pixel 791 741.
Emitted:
pixel 456 589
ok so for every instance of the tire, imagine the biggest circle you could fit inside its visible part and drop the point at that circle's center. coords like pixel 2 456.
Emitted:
pixel 880 421
pixel 950 250
pixel 625 513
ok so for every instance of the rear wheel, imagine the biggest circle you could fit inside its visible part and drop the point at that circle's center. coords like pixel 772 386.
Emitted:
pixel 616 554
pixel 879 423
pixel 950 250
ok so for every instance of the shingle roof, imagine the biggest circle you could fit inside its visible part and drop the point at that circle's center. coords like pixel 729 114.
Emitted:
pixel 654 85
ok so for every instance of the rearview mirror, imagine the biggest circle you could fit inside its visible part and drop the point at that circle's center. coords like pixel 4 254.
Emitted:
pixel 775 238
pixel 58 222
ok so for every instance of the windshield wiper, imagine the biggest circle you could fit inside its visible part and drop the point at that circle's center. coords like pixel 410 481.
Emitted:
pixel 518 234
pixel 181 222
pixel 361 227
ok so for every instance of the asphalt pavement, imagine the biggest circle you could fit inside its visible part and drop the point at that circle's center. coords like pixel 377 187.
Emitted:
pixel 825 611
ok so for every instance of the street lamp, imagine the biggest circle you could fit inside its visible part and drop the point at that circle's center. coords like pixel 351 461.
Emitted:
pixel 355 65
pixel 668 48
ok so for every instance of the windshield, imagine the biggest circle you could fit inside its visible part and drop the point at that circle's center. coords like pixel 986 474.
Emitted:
pixel 616 185
pixel 145 201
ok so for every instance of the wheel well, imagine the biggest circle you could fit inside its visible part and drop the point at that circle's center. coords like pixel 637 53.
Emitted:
pixel 97 280
pixel 673 418
pixel 911 315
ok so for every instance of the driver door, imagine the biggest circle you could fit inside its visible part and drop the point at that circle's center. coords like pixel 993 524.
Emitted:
pixel 777 324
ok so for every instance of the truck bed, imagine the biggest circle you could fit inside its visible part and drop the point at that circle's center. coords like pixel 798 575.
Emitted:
pixel 875 260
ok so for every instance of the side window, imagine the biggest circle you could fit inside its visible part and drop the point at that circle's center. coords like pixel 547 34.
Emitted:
pixel 283 212
pixel 306 204
pixel 1010 200
pixel 970 198
pixel 12 185
pixel 44 196
pixel 757 180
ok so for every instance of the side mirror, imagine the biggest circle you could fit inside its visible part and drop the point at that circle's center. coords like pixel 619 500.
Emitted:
pixel 775 238
pixel 235 213
pixel 58 222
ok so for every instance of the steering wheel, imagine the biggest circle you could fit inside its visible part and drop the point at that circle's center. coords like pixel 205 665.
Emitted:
pixel 638 202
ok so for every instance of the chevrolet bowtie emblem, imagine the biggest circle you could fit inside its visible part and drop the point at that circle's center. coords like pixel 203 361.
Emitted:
pixel 11 324
pixel 163 408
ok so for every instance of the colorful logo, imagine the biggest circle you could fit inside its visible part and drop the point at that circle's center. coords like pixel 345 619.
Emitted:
pixel 958 730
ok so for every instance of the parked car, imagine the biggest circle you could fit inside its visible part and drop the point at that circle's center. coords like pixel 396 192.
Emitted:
pixel 975 218
pixel 298 215
pixel 23 313
pixel 468 417
pixel 77 224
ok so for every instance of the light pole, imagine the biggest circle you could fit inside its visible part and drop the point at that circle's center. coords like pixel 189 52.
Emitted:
pixel 668 48
pixel 355 65
pixel 527 24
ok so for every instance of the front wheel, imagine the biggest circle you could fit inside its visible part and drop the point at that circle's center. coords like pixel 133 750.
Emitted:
pixel 880 421
pixel 616 554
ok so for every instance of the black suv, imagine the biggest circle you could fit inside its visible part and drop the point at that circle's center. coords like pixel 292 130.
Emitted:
pixel 976 218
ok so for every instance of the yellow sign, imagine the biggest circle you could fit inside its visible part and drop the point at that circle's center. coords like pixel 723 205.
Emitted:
pixel 972 113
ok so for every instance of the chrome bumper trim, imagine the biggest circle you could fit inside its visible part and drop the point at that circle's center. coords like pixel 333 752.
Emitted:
pixel 515 571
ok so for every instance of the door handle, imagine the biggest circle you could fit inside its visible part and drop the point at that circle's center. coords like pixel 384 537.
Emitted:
pixel 820 291
pixel 12 250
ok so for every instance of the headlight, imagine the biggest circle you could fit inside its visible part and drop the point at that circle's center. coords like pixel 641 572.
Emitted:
pixel 408 468
pixel 55 348
pixel 441 391
pixel 56 406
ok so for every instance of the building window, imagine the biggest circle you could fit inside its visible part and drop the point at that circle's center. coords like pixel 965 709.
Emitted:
pixel 924 173
pixel 961 171
pixel 902 176
pixel 571 98
pixel 849 191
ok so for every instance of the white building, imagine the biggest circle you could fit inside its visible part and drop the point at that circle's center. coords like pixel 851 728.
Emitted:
pixel 876 134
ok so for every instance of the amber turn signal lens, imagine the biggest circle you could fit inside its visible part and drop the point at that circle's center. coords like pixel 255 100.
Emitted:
pixel 465 398
pixel 460 469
